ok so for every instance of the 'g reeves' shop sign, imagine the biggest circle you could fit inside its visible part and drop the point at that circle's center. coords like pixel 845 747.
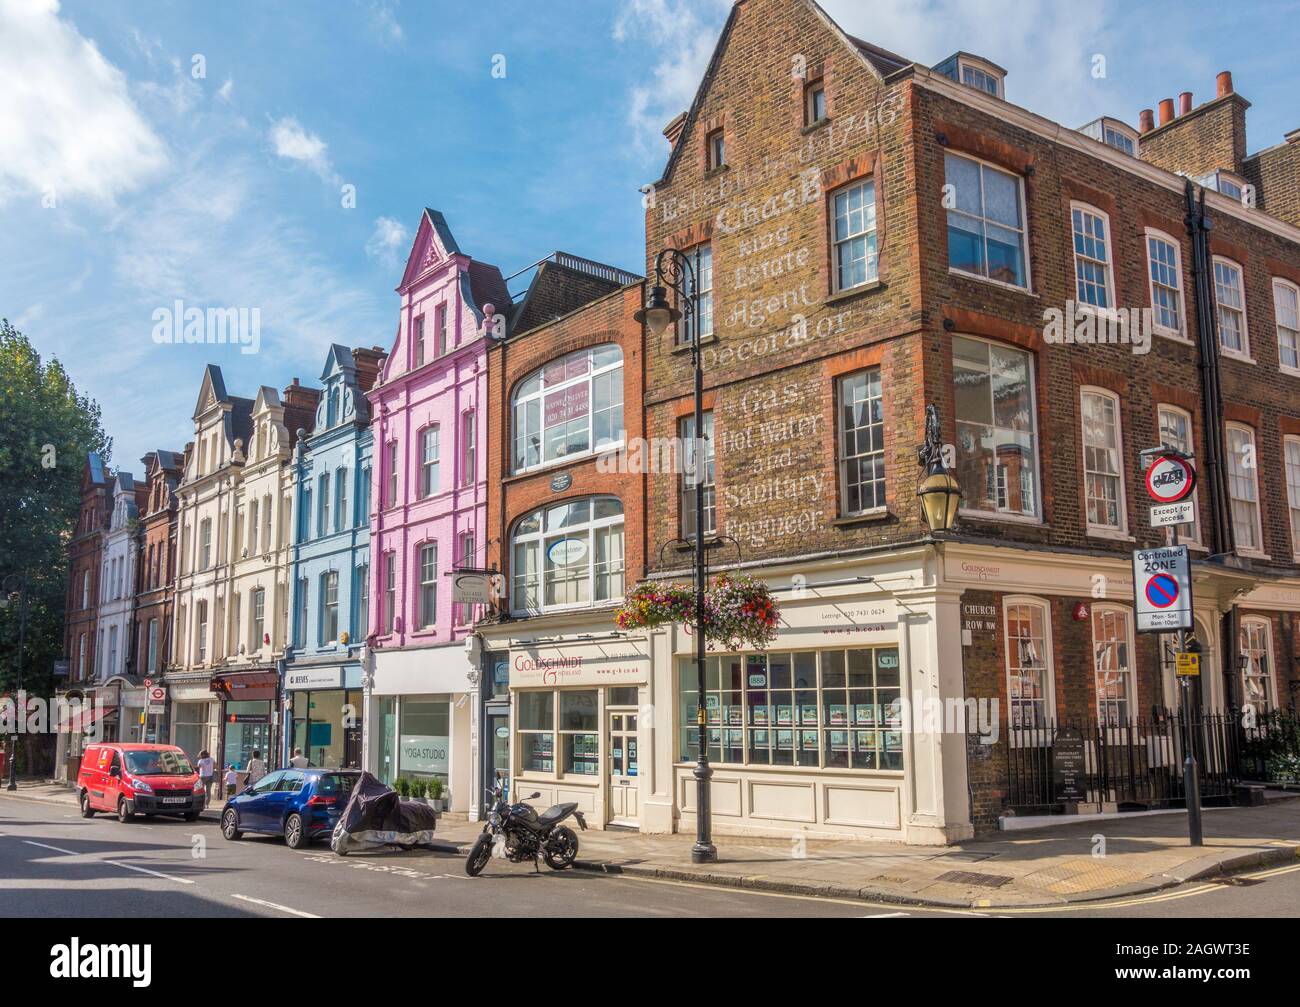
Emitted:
pixel 620 666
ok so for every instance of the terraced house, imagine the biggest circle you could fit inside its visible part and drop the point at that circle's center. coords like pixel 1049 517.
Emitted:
pixel 156 571
pixel 430 499
pixel 256 632
pixel 874 235
pixel 118 685
pixel 330 569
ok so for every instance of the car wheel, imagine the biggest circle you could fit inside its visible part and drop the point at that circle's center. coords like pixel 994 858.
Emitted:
pixel 561 849
pixel 124 812
pixel 86 810
pixel 230 824
pixel 295 833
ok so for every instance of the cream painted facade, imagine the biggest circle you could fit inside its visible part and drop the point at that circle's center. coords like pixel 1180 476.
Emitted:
pixel 261 533
pixel 206 500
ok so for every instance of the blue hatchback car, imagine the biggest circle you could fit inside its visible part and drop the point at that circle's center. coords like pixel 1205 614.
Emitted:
pixel 299 804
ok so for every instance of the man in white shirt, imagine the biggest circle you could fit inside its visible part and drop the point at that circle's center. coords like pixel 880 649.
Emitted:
pixel 299 761
pixel 256 768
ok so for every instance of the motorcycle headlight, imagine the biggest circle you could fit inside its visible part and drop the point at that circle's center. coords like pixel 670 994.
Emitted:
pixel 496 820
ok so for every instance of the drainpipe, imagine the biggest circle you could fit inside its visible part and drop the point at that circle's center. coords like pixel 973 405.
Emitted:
pixel 1221 542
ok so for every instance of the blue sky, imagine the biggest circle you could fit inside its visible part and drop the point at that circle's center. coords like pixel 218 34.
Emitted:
pixel 127 182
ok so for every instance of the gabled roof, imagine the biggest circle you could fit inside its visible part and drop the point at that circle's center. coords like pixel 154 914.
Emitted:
pixel 433 227
pixel 881 63
pixel 267 398
pixel 339 358
pixel 241 420
pixel 213 385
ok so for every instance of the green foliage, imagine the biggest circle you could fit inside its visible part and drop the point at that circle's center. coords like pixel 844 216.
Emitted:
pixel 419 787
pixel 46 430
pixel 435 788
pixel 403 786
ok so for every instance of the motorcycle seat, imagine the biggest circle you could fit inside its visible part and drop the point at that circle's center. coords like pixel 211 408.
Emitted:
pixel 556 811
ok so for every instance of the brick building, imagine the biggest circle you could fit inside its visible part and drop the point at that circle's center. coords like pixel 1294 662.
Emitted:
pixel 156 571
pixel 566 529
pixel 874 235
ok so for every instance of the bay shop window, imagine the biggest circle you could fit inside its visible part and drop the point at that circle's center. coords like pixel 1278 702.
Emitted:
pixel 569 407
pixel 568 555
pixel 836 709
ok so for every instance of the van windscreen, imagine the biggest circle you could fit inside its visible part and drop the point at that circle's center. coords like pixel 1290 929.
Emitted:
pixel 164 763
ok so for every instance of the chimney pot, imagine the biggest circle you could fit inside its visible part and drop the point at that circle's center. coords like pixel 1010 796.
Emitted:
pixel 1146 121
pixel 1166 111
pixel 1224 83
pixel 1184 102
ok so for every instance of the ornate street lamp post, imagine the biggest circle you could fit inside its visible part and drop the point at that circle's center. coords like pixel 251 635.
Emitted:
pixel 939 491
pixel 673 269
pixel 5 590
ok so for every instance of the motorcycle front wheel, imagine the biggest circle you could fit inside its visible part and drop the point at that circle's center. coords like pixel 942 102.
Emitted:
pixel 478 856
pixel 561 849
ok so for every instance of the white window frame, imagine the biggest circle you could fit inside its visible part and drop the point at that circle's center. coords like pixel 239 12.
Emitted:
pixel 520 402
pixel 1028 287
pixel 1194 536
pixel 1279 284
pixel 427 620
pixel 388 617
pixel 257 618
pixel 841 445
pixel 1291 475
pixel 868 234
pixel 1086 209
pixel 1039 734
pixel 1037 516
pixel 686 484
pixel 699 275
pixel 1249 622
pixel 1121 502
pixel 468 448
pixel 430 467
pixel 1253 470
pixel 538 539
pixel 440 314
pixel 205 543
pixel 1129 672
pixel 417 337
pixel 1179 333
pixel 393 485
pixel 329 581
pixel 963 63
pixel 1242 354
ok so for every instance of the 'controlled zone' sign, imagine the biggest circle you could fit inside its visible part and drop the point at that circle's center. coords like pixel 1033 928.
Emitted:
pixel 1162 582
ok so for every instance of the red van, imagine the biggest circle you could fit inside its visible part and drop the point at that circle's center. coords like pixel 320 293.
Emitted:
pixel 138 779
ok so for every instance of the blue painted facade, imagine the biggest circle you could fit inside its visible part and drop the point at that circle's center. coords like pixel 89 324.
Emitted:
pixel 330 567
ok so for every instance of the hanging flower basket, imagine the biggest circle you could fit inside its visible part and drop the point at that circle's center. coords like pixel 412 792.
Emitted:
pixel 739 612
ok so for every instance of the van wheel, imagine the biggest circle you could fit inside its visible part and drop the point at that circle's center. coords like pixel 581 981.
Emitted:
pixel 86 810
pixel 230 824
pixel 295 836
pixel 124 812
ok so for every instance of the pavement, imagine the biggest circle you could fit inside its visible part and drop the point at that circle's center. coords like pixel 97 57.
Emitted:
pixel 1055 866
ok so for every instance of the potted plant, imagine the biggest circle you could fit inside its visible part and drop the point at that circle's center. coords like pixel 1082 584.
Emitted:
pixel 419 789
pixel 437 794
pixel 403 786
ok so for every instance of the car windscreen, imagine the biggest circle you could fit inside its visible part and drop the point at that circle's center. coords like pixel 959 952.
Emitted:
pixel 158 763
pixel 336 783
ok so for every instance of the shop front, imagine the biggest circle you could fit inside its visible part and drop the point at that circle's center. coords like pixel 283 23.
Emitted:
pixel 324 707
pixel 420 718
pixel 582 715
pixel 193 716
pixel 248 717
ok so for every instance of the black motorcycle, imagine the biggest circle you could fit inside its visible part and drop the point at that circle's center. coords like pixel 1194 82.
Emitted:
pixel 523 834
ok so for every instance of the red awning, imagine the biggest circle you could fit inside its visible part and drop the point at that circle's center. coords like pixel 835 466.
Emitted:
pixel 78 722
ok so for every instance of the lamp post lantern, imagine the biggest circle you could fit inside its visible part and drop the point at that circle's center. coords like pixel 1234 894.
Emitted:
pixel 673 269
pixel 939 491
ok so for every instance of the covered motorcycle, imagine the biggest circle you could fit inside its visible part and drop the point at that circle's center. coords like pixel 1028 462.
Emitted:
pixel 376 817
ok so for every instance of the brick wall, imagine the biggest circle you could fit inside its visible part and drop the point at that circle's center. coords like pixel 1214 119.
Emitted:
pixel 1209 137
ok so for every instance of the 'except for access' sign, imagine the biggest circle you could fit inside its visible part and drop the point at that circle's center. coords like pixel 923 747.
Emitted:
pixel 1164 515
pixel 1162 580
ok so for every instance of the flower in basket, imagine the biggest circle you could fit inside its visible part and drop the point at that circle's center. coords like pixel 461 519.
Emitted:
pixel 744 613
pixel 654 604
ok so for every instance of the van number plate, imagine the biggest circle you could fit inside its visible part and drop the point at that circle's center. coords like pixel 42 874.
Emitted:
pixel 175 800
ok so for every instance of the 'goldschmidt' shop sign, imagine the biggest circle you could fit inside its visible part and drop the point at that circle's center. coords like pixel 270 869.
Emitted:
pixel 621 663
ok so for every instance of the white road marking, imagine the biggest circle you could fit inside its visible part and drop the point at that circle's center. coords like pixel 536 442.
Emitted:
pixel 56 849
pixel 145 870
pixel 272 905
pixel 882 916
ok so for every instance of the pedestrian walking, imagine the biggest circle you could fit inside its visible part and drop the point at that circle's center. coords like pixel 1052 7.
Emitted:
pixel 299 761
pixel 206 769
pixel 232 781
pixel 256 768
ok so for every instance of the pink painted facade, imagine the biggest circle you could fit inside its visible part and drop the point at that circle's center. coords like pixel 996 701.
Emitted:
pixel 430 433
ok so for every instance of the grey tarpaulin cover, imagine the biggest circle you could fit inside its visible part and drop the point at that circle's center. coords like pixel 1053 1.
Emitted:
pixel 376 817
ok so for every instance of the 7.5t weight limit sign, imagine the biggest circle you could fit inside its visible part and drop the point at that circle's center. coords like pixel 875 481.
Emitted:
pixel 1162 584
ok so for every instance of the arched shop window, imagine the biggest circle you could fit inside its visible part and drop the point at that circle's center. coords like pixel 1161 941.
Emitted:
pixel 1029 662
pixel 1112 646
pixel 1256 649
pixel 568 555
pixel 568 408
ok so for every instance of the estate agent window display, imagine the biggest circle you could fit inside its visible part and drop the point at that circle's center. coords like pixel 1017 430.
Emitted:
pixel 559 732
pixel 831 709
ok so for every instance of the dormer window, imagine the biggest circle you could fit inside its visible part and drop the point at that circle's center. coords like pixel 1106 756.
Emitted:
pixel 1224 182
pixel 974 72
pixel 1113 133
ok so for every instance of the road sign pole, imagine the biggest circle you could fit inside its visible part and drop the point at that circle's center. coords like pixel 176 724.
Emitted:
pixel 1191 774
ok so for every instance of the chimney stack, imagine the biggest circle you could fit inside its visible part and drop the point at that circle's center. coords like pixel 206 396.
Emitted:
pixel 1184 102
pixel 368 363
pixel 1146 121
pixel 1223 82
pixel 1166 111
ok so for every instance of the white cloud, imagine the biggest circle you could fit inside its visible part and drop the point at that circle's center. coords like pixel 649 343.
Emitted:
pixel 682 35
pixel 224 91
pixel 387 241
pixel 383 18
pixel 67 122
pixel 293 142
